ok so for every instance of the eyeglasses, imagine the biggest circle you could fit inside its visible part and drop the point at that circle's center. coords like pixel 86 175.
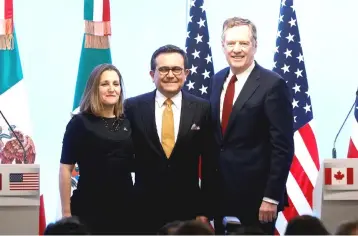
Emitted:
pixel 164 70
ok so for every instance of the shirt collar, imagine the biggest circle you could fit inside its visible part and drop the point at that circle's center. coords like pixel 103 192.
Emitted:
pixel 244 74
pixel 160 98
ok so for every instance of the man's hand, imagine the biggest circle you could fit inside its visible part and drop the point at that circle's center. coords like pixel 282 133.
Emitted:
pixel 203 219
pixel 267 212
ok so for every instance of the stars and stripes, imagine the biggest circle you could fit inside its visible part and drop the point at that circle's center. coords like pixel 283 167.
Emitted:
pixel 24 181
pixel 289 63
pixel 353 142
pixel 198 50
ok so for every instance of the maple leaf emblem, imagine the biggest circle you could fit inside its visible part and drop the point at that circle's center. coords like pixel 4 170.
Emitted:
pixel 339 175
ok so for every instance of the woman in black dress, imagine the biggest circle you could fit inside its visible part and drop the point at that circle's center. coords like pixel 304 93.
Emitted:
pixel 98 139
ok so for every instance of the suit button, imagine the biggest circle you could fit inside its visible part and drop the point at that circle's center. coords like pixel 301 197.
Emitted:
pixel 168 166
pixel 222 149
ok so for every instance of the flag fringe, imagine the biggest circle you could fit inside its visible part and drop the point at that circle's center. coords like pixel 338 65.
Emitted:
pixel 6 42
pixel 98 28
pixel 6 25
pixel 97 42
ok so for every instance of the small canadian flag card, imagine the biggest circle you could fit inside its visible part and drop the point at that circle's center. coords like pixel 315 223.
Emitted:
pixel 338 176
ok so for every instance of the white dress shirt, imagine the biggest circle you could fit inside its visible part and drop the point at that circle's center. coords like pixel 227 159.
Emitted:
pixel 239 84
pixel 159 109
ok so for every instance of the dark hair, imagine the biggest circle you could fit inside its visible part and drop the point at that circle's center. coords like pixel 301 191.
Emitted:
pixel 194 227
pixel 168 49
pixel 169 228
pixel 67 226
pixel 90 102
pixel 306 225
pixel 347 228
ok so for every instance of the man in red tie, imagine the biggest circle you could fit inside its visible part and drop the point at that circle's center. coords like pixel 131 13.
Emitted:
pixel 252 113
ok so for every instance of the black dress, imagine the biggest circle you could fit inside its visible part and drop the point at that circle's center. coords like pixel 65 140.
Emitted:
pixel 103 198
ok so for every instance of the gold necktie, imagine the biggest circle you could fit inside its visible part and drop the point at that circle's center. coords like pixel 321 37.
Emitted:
pixel 168 139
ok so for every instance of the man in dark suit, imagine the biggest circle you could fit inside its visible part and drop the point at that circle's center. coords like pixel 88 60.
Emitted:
pixel 171 129
pixel 252 114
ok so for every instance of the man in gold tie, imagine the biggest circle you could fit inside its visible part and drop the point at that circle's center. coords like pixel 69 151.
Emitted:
pixel 170 131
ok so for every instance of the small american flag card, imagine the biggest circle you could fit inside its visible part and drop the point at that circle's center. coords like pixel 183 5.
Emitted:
pixel 24 181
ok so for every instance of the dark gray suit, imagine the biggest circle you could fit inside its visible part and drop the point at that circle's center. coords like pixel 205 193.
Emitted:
pixel 256 151
pixel 168 189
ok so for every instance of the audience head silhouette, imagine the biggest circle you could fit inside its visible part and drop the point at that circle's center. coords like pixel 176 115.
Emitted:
pixel 348 228
pixel 66 226
pixel 306 225
pixel 194 227
pixel 169 228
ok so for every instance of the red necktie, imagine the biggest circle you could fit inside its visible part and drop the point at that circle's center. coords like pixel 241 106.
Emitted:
pixel 228 101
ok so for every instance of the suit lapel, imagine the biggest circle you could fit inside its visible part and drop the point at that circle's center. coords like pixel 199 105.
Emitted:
pixel 148 119
pixel 186 116
pixel 219 88
pixel 252 83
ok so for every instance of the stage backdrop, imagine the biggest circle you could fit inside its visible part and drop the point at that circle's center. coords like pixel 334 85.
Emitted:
pixel 51 33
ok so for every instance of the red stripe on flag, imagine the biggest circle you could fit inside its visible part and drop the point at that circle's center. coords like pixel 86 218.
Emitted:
pixel 106 11
pixel 349 175
pixel 328 176
pixel 309 139
pixel 290 212
pixel 302 180
pixel 8 9
pixel 352 150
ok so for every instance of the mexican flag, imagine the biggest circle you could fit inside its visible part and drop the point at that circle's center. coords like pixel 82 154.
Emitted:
pixel 95 51
pixel 13 101
pixel 95 46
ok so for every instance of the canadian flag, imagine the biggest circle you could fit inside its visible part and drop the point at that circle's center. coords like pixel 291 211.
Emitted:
pixel 338 176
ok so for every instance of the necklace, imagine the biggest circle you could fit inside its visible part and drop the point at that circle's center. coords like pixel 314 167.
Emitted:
pixel 113 127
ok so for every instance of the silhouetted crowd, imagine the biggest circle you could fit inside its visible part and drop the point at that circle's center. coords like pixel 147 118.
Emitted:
pixel 300 225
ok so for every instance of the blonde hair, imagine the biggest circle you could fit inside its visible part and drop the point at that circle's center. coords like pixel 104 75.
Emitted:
pixel 238 21
pixel 90 102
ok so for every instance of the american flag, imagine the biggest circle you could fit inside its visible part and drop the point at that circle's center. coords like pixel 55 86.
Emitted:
pixel 289 63
pixel 24 181
pixel 200 60
pixel 353 142
pixel 198 49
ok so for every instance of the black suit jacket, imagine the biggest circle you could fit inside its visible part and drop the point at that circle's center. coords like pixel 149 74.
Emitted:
pixel 256 151
pixel 168 189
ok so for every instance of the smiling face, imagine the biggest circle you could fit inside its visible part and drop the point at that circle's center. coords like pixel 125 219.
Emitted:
pixel 109 88
pixel 169 74
pixel 239 48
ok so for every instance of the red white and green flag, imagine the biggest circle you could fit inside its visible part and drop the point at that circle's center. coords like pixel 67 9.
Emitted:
pixel 13 101
pixel 95 50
